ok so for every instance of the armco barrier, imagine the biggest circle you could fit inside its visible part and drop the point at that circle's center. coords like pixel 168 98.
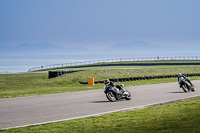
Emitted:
pixel 120 61
pixel 143 78
pixel 135 64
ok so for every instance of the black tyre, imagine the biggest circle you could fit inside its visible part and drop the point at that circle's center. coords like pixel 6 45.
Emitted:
pixel 50 74
pixel 184 87
pixel 111 96
pixel 192 88
pixel 128 96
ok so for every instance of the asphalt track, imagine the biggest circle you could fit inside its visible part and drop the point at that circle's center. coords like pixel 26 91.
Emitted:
pixel 19 112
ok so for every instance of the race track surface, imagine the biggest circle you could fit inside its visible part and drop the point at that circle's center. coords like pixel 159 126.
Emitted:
pixel 19 112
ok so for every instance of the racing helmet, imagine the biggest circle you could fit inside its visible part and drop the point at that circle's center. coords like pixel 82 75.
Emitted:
pixel 179 75
pixel 122 85
pixel 107 81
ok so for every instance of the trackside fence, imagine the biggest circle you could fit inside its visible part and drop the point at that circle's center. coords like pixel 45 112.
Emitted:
pixel 105 61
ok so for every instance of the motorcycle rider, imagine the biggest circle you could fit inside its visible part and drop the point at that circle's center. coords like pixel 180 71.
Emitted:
pixel 112 84
pixel 183 77
pixel 107 81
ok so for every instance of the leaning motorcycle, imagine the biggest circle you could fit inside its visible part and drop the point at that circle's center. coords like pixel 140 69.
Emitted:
pixel 185 85
pixel 114 93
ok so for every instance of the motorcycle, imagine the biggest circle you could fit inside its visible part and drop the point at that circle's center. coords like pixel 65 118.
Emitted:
pixel 116 93
pixel 186 85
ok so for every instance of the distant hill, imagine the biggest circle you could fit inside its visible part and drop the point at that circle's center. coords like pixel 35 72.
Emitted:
pixel 140 47
pixel 39 49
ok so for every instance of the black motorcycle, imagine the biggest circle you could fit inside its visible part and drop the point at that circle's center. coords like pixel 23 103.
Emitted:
pixel 116 93
pixel 186 85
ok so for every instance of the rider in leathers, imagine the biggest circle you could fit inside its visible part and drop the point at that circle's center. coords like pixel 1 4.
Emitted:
pixel 181 77
pixel 112 84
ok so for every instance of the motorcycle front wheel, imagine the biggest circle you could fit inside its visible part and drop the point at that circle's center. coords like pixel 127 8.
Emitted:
pixel 184 87
pixel 192 89
pixel 111 96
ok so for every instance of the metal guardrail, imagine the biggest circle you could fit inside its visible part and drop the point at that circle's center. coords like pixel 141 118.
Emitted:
pixel 53 66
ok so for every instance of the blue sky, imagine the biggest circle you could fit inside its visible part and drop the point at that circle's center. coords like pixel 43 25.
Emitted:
pixel 100 23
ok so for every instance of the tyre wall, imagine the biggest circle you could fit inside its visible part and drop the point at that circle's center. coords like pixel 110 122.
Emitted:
pixel 143 78
pixel 54 74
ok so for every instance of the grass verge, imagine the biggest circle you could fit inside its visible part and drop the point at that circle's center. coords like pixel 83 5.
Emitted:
pixel 179 117
pixel 30 84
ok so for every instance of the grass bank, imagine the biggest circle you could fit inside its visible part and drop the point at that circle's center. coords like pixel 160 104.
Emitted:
pixel 181 117
pixel 29 84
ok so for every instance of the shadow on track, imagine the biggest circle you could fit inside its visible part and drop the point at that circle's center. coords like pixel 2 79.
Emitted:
pixel 177 92
pixel 120 100
pixel 100 101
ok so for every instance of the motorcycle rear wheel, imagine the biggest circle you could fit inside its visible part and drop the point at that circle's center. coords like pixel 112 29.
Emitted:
pixel 111 96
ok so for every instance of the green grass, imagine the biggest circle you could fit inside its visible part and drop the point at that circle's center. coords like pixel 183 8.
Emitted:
pixel 29 84
pixel 182 117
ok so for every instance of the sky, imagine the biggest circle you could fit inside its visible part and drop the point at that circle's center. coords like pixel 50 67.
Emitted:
pixel 99 23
